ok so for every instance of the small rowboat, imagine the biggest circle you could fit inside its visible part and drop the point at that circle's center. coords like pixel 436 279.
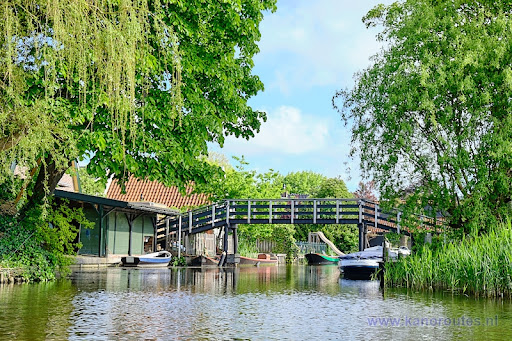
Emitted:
pixel 263 259
pixel 155 259
pixel 204 261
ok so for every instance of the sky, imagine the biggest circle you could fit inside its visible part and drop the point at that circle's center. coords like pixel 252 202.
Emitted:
pixel 308 51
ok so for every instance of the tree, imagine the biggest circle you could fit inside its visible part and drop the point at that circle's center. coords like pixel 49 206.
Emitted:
pixel 303 182
pixel 333 188
pixel 91 185
pixel 366 190
pixel 434 108
pixel 137 87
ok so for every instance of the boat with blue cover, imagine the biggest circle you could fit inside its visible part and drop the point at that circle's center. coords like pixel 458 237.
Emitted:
pixel 155 259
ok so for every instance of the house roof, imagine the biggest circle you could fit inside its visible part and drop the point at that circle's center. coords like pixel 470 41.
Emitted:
pixel 153 191
pixel 65 183
pixel 119 205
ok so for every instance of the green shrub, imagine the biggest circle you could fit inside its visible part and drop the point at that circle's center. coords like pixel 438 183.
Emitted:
pixel 39 243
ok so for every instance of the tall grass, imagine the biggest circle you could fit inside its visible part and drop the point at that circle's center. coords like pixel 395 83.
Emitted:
pixel 480 266
pixel 247 248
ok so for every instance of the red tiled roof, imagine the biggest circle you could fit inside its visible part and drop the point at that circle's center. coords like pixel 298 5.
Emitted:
pixel 153 191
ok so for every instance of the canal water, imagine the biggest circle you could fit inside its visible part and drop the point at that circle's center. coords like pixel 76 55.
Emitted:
pixel 254 303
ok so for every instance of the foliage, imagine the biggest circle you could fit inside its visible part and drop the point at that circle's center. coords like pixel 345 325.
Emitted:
pixel 431 115
pixel 477 265
pixel 40 246
pixel 303 182
pixel 393 238
pixel 91 185
pixel 137 87
pixel 237 182
pixel 282 235
pixel 333 188
pixel 366 190
pixel 247 248
pixel 178 261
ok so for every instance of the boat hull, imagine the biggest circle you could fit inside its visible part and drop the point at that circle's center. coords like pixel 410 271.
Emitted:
pixel 319 259
pixel 156 259
pixel 257 261
pixel 204 261
pixel 359 268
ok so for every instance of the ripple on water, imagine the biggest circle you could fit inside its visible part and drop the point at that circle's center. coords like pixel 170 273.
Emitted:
pixel 280 303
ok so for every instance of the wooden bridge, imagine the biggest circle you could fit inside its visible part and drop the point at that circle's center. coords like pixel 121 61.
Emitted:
pixel 229 213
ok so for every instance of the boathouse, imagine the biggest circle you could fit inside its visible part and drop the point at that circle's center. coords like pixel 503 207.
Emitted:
pixel 121 228
pixel 128 223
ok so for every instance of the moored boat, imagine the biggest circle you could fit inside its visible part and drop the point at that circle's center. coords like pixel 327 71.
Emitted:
pixel 263 259
pixel 320 259
pixel 155 259
pixel 362 264
pixel 204 261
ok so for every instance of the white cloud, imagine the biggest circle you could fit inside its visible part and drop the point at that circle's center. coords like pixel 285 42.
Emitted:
pixel 321 42
pixel 287 131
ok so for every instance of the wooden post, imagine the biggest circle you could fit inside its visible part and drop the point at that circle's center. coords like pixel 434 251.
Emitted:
pixel 235 238
pixel 166 234
pixel 190 222
pixel 187 244
pixel 227 212
pixel 100 249
pixel 213 215
pixel 337 211
pixel 314 211
pixel 270 212
pixel 225 241
pixel 365 235
pixel 398 222
pixel 155 233
pixel 361 236
pixel 129 219
pixel 292 210
pixel 249 212
pixel 360 211
pixel 376 207
pixel 179 237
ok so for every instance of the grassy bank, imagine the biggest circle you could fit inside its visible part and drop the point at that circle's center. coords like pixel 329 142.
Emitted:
pixel 480 266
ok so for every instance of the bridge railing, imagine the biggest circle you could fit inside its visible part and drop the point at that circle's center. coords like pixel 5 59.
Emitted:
pixel 294 211
pixel 264 211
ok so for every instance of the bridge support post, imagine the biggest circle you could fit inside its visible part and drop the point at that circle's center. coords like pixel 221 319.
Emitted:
pixel 235 238
pixel 225 241
pixel 362 236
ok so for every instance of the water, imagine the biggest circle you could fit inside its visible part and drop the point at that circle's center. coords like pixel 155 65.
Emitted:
pixel 265 303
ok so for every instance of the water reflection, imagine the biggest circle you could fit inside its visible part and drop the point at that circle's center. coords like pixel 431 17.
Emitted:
pixel 254 303
pixel 36 312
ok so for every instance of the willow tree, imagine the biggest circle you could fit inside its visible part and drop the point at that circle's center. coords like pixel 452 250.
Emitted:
pixel 138 87
pixel 432 114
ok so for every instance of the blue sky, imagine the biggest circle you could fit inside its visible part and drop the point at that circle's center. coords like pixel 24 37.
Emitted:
pixel 308 50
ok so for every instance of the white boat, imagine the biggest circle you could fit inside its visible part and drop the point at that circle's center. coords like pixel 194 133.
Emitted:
pixel 362 264
pixel 155 259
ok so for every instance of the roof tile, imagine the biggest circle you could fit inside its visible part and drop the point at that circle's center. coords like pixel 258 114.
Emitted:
pixel 153 191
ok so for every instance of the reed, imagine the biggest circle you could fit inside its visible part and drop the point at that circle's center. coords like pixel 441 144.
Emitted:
pixel 479 266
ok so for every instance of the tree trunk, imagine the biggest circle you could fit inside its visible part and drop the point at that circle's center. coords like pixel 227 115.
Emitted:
pixel 47 179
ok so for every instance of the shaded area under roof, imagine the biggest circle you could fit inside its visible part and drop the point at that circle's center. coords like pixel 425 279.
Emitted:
pixel 119 205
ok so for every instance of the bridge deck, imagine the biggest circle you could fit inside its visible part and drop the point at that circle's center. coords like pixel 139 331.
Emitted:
pixel 291 211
